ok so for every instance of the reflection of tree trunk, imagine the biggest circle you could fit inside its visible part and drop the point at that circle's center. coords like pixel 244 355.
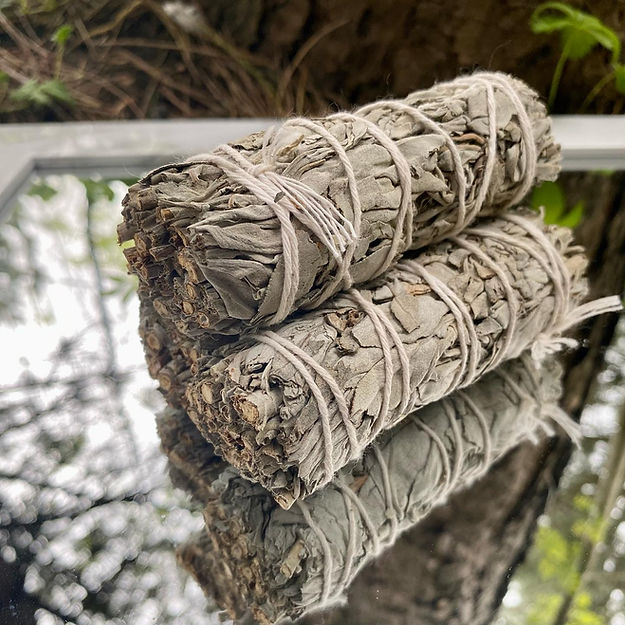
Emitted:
pixel 455 566
pixel 396 46
pixel 16 607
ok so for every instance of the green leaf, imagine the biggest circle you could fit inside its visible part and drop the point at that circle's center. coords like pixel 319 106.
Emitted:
pixel 548 23
pixel 583 503
pixel 550 197
pixel 555 551
pixel 42 190
pixel 57 90
pixel 578 43
pixel 97 190
pixel 119 279
pixel 25 7
pixel 583 600
pixel 30 93
pixel 572 217
pixel 42 93
pixel 608 39
pixel 56 224
pixel 106 242
pixel 588 529
pixel 580 31
pixel 129 181
pixel 582 613
pixel 566 10
pixel 544 609
pixel 62 34
pixel 130 293
pixel 619 77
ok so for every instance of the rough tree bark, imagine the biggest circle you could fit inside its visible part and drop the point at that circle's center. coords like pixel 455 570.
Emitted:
pixel 355 51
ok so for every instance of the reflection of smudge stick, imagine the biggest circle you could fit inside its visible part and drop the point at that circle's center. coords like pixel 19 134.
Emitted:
pixel 283 563
pixel 290 407
pixel 281 221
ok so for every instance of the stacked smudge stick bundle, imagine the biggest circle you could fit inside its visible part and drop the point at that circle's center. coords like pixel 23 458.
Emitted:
pixel 350 318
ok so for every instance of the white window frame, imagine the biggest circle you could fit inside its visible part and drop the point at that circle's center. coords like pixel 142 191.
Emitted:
pixel 130 148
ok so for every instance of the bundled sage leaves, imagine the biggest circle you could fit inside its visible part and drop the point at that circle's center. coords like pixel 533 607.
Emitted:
pixel 335 310
pixel 290 407
pixel 258 559
pixel 171 355
pixel 284 219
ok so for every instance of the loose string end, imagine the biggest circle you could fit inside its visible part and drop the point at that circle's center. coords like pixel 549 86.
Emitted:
pixel 612 303
pixel 551 343
pixel 553 412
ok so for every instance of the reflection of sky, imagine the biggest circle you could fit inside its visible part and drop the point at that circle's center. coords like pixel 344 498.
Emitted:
pixel 599 422
pixel 68 307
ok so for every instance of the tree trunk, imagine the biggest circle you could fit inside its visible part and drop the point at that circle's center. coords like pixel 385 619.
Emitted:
pixel 454 567
pixel 355 51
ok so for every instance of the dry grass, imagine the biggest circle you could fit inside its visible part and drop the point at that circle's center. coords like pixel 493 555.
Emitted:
pixel 136 60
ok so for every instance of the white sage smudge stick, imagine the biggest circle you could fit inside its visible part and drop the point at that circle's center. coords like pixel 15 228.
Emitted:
pixel 290 407
pixel 274 563
pixel 171 354
pixel 284 219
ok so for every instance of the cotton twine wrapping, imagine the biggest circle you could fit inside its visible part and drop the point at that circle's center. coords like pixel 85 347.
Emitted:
pixel 235 241
pixel 290 407
pixel 283 219
pixel 257 556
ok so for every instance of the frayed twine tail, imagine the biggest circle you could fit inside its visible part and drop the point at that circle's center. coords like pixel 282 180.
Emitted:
pixel 552 342
pixel 553 412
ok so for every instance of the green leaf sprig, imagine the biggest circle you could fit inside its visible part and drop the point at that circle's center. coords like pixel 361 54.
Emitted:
pixel 36 93
pixel 580 33
pixel 549 197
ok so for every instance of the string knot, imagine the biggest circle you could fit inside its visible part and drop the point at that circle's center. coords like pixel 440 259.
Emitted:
pixel 261 168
